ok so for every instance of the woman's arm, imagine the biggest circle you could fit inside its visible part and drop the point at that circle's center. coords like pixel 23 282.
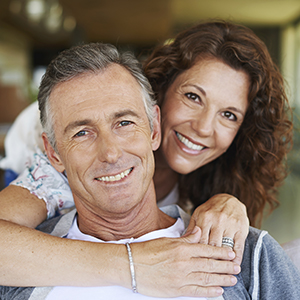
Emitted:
pixel 222 216
pixel 164 267
pixel 19 206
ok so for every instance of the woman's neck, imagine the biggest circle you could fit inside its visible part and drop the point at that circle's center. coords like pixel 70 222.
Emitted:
pixel 164 178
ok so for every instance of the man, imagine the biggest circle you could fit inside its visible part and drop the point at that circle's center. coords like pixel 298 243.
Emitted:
pixel 100 128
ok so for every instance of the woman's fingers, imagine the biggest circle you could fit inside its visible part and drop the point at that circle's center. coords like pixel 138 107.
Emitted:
pixel 222 216
pixel 239 245
pixel 183 267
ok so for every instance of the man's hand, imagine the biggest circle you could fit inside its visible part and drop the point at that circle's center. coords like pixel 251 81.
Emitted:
pixel 183 267
pixel 222 216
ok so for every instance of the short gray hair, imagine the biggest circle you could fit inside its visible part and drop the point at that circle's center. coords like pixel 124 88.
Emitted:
pixel 88 58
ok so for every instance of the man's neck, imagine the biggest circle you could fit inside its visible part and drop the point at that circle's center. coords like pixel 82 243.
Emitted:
pixel 145 217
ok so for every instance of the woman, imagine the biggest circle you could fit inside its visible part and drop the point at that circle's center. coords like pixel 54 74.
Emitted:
pixel 256 74
pixel 252 167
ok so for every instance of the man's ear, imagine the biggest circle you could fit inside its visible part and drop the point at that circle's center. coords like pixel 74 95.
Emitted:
pixel 156 132
pixel 53 157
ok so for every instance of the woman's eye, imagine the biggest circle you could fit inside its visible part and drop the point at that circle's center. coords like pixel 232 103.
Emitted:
pixel 230 116
pixel 124 123
pixel 193 96
pixel 80 133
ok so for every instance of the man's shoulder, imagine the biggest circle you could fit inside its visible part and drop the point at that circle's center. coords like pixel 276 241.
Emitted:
pixel 16 293
pixel 176 212
pixel 58 226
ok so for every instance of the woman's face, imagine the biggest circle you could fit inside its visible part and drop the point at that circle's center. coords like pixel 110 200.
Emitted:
pixel 202 112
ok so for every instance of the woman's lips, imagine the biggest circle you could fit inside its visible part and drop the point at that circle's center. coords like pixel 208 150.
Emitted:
pixel 188 143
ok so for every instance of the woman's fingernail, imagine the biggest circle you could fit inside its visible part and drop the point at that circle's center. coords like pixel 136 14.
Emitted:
pixel 237 268
pixel 231 254
pixel 233 280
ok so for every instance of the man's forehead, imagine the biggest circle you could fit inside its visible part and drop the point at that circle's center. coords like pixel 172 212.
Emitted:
pixel 113 92
pixel 115 82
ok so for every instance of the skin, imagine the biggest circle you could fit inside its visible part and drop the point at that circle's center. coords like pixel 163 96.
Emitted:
pixel 157 252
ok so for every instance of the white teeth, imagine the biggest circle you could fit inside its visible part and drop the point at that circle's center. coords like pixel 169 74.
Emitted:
pixel 115 177
pixel 188 143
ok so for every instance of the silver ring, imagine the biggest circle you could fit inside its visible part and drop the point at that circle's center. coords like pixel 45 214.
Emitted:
pixel 228 242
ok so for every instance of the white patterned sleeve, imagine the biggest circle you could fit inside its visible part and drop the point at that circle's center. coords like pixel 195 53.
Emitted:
pixel 42 180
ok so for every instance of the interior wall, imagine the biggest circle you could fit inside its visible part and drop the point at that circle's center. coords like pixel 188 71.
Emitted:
pixel 284 222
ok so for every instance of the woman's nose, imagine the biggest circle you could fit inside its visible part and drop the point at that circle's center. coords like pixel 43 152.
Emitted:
pixel 204 123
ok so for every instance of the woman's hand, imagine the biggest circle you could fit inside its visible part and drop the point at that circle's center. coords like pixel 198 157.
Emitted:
pixel 222 216
pixel 174 267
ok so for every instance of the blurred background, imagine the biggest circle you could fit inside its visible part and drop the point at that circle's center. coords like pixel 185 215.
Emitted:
pixel 32 32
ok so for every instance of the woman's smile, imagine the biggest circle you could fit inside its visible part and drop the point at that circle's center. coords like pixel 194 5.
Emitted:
pixel 188 143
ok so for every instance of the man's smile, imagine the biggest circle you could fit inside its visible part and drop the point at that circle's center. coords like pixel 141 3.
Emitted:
pixel 115 177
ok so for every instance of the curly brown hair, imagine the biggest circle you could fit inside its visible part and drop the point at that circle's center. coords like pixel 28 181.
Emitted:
pixel 254 166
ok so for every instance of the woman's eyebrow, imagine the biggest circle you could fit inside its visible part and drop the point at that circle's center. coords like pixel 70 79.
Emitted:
pixel 236 110
pixel 199 88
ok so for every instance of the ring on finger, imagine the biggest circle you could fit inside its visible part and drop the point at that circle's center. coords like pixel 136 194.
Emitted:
pixel 228 242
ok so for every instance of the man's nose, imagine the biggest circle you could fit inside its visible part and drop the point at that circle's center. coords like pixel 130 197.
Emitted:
pixel 204 123
pixel 109 149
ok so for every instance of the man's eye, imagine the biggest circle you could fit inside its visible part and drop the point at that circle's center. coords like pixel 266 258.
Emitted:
pixel 80 133
pixel 124 123
pixel 193 97
pixel 230 116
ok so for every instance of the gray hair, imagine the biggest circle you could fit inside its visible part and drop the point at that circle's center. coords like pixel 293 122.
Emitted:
pixel 88 58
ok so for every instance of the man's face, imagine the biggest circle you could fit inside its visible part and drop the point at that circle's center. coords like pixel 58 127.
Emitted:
pixel 104 141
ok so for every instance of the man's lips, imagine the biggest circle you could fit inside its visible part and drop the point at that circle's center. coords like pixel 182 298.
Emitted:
pixel 116 177
pixel 188 143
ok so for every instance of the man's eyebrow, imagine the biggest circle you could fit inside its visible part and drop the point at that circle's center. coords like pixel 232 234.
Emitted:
pixel 120 114
pixel 126 112
pixel 78 123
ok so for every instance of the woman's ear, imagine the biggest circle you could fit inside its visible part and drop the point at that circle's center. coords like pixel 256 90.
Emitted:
pixel 156 132
pixel 53 157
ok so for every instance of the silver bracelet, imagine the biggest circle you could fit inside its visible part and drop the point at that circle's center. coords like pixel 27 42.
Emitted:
pixel 133 281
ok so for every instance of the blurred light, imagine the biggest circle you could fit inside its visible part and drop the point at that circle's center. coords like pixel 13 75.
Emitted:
pixel 35 9
pixel 169 41
pixel 54 20
pixel 56 9
pixel 15 6
pixel 69 23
